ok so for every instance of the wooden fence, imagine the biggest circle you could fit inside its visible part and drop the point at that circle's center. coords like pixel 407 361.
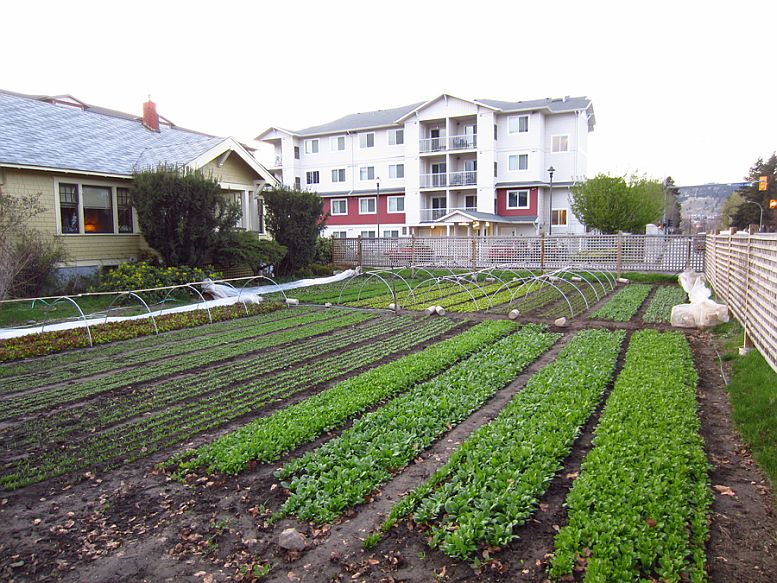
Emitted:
pixel 618 253
pixel 742 270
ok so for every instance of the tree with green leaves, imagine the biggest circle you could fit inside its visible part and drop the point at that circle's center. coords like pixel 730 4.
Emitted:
pixel 182 214
pixel 612 203
pixel 295 220
pixel 729 210
pixel 672 208
pixel 750 214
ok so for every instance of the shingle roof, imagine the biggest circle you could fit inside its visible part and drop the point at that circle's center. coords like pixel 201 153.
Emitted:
pixel 358 121
pixel 38 133
pixel 554 105
pixel 480 216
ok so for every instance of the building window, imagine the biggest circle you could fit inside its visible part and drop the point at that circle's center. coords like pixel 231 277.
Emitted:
pixel 559 217
pixel 392 234
pixel 337 143
pixel 124 206
pixel 471 201
pixel 297 183
pixel 560 143
pixel 367 173
pixel 339 206
pixel 367 234
pixel 260 213
pixel 339 234
pixel 367 140
pixel 338 175
pixel 518 162
pixel 496 168
pixel 311 177
pixel 396 204
pixel 396 170
pixel 495 131
pixel 367 206
pixel 517 199
pixel 311 146
pixel 68 208
pixel 396 137
pixel 296 152
pixel 98 209
pixel 518 124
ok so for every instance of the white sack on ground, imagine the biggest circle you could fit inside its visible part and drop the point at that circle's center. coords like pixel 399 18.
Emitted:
pixel 701 312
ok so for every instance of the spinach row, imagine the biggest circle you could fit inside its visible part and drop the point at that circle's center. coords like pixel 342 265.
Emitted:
pixel 624 304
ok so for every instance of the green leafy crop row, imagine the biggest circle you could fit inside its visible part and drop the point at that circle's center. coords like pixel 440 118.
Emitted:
pixel 660 308
pixel 639 509
pixel 624 304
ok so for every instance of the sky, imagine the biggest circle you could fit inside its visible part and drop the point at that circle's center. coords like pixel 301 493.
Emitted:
pixel 681 88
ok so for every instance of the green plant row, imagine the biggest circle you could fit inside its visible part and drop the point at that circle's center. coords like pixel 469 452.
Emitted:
pixel 580 294
pixel 37 401
pixel 639 510
pixel 659 309
pixel 268 438
pixel 342 472
pixel 419 297
pixel 624 304
pixel 92 365
pixel 145 435
pixel 492 483
pixel 45 343
pixel 96 414
pixel 465 298
pixel 74 358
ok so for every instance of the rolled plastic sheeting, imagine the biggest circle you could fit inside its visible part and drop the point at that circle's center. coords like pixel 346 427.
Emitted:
pixel 440 311
pixel 292 301
pixel 513 315
pixel 701 312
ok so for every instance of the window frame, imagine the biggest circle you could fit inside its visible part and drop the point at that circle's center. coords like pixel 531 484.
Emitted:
pixel 559 210
pixel 518 163
pixel 396 199
pixel 332 207
pixel 339 234
pixel 396 168
pixel 387 234
pixel 340 172
pixel 363 236
pixel 553 150
pixel 366 169
pixel 312 174
pixel 368 199
pixel 518 130
pixel 334 142
pixel 310 142
pixel 518 192
pixel 80 208
pixel 393 133
pixel 366 136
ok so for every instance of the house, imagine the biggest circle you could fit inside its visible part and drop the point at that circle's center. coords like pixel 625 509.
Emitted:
pixel 448 166
pixel 81 159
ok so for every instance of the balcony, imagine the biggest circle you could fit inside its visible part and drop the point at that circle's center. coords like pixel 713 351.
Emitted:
pixel 431 215
pixel 451 179
pixel 278 162
pixel 465 142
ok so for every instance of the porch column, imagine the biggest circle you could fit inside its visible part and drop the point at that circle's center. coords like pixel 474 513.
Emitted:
pixel 245 207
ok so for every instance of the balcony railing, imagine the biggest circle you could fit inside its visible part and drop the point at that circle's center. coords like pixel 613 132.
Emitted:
pixel 443 180
pixel 431 215
pixel 438 180
pixel 278 162
pixel 465 142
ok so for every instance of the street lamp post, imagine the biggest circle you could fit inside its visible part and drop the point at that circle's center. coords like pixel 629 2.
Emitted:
pixel 551 170
pixel 377 204
pixel 761 220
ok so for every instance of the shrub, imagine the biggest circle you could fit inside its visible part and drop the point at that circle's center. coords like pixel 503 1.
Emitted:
pixel 240 248
pixel 35 254
pixel 142 275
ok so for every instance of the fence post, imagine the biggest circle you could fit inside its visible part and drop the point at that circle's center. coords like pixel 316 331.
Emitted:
pixel 412 254
pixel 542 252
pixel 618 254
pixel 359 251
pixel 747 342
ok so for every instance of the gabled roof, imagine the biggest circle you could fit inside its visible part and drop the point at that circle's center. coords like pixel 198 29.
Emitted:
pixel 435 99
pixel 553 105
pixel 360 121
pixel 471 216
pixel 63 133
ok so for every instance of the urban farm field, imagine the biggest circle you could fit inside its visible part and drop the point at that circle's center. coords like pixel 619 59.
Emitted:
pixel 354 443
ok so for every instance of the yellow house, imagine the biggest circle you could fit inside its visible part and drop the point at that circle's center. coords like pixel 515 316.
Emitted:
pixel 81 159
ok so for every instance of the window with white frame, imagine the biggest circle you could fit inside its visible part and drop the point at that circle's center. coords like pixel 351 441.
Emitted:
pixel 391 234
pixel 367 140
pixel 396 204
pixel 311 146
pixel 297 182
pixel 337 143
pixel 559 217
pixel 339 206
pixel 94 209
pixel 312 177
pixel 518 124
pixel 338 175
pixel 367 206
pixel 396 137
pixel 560 143
pixel 517 199
pixel 518 162
pixel 367 234
pixel 339 234
pixel 367 173
pixel 396 170
pixel 296 152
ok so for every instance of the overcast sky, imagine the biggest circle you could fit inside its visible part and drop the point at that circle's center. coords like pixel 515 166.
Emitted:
pixel 680 88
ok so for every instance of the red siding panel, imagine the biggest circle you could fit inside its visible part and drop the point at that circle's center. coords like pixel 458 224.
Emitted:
pixel 501 203
pixel 354 218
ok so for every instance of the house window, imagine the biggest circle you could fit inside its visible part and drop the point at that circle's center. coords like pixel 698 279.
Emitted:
pixel 518 162
pixel 396 204
pixel 311 177
pixel 311 146
pixel 337 143
pixel 367 140
pixel 396 137
pixel 68 208
pixel 470 201
pixel 392 234
pixel 517 199
pixel 297 183
pixel 367 173
pixel 559 217
pixel 296 152
pixel 339 206
pixel 495 169
pixel 495 131
pixel 338 175
pixel 260 213
pixel 396 170
pixel 367 234
pixel 560 143
pixel 339 234
pixel 367 206
pixel 124 206
pixel 98 209
pixel 518 124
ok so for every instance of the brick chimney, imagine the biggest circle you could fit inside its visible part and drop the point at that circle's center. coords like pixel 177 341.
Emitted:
pixel 150 116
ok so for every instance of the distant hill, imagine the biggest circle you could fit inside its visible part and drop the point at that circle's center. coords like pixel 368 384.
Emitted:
pixel 704 200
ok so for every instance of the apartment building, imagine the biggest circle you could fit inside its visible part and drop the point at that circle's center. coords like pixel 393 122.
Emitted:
pixel 445 167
